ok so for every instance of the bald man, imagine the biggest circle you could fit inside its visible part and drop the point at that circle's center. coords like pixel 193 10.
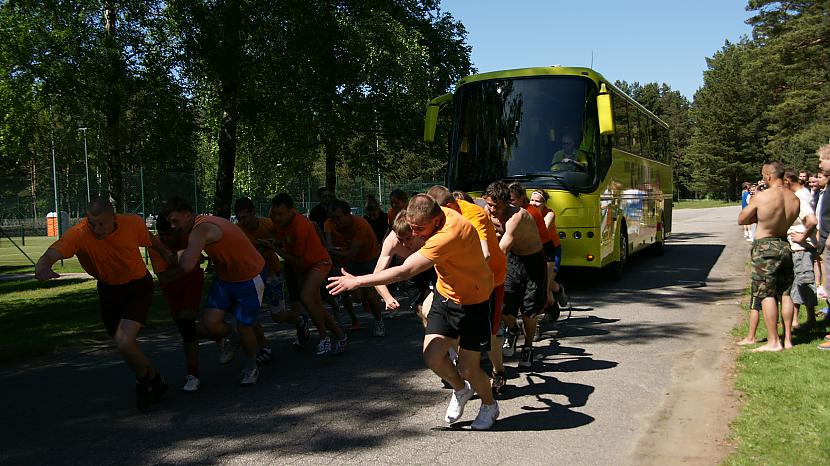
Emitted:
pixel 107 245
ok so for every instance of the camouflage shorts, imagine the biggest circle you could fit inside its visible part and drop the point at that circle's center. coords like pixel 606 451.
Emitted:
pixel 772 268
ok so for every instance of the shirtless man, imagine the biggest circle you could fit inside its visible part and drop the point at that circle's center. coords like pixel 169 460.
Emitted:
pixel 497 261
pixel 525 286
pixel 402 243
pixel 107 245
pixel 238 284
pixel 460 309
pixel 774 209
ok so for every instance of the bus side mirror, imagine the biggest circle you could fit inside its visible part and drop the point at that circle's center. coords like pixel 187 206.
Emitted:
pixel 431 119
pixel 606 116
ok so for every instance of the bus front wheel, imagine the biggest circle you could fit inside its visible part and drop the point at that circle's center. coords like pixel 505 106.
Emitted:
pixel 616 269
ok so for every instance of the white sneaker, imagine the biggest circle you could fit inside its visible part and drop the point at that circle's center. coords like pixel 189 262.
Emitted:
pixel 249 376
pixel 487 415
pixel 191 384
pixel 821 292
pixel 380 329
pixel 457 402
pixel 227 350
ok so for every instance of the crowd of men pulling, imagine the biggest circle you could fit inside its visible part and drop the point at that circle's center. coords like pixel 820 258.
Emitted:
pixel 790 248
pixel 484 271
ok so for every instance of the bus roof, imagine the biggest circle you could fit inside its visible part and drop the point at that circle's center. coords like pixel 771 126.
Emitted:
pixel 557 71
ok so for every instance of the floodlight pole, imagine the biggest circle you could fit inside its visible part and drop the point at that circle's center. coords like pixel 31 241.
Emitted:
pixel 86 164
pixel 55 175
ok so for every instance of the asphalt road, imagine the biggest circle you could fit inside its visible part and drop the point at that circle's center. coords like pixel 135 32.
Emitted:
pixel 598 394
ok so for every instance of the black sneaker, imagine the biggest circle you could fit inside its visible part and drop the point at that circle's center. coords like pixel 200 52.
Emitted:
pixel 159 387
pixel 561 297
pixel 303 333
pixel 526 359
pixel 263 356
pixel 498 383
pixel 144 394
pixel 509 347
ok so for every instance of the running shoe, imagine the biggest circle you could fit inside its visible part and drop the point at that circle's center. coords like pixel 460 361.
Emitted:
pixel 498 383
pixel 340 345
pixel 821 292
pixel 526 359
pixel 159 387
pixel 561 297
pixel 191 384
pixel 509 347
pixel 303 334
pixel 824 346
pixel 324 347
pixel 487 415
pixel 249 376
pixel 263 356
pixel 144 394
pixel 379 330
pixel 227 350
pixel 457 401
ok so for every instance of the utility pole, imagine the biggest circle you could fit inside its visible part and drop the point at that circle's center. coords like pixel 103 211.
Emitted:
pixel 86 164
pixel 54 172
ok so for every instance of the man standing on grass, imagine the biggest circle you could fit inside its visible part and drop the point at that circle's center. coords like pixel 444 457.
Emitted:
pixel 774 209
pixel 823 214
pixel 801 235
pixel 460 309
pixel 107 245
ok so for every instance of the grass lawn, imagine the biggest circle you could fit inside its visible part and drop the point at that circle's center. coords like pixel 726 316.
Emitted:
pixel 37 318
pixel 785 418
pixel 12 261
pixel 702 203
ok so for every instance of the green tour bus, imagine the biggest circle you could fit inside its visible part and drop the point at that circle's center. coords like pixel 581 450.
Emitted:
pixel 602 157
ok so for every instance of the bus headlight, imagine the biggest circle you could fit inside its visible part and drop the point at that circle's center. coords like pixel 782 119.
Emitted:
pixel 590 234
pixel 562 235
pixel 577 235
pixel 590 257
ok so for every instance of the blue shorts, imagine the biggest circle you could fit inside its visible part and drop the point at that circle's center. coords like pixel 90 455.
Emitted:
pixel 242 298
pixel 557 257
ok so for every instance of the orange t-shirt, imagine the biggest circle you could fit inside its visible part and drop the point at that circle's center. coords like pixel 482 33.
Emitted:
pixel 236 258
pixel 114 260
pixel 455 249
pixel 486 231
pixel 300 238
pixel 344 237
pixel 265 230
pixel 544 235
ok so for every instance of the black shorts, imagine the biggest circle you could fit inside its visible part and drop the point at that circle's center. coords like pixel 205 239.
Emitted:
pixel 469 323
pixel 525 285
pixel 130 301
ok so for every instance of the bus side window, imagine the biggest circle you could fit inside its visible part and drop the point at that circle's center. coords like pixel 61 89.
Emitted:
pixel 634 121
pixel 621 137
pixel 645 136
pixel 658 142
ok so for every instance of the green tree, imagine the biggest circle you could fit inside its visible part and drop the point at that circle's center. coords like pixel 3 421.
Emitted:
pixel 727 144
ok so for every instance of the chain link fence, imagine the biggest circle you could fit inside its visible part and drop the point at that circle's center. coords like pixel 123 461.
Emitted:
pixel 26 204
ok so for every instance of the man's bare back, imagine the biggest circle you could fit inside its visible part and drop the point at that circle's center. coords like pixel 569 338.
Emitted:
pixel 521 227
pixel 774 209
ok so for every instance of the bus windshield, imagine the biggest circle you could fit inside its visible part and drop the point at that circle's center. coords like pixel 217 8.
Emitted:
pixel 540 130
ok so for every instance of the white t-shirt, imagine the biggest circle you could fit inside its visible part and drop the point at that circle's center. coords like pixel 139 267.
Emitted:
pixel 805 209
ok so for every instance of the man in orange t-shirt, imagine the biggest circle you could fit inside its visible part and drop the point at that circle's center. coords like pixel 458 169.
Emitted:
pixel 260 231
pixel 460 309
pixel 296 240
pixel 238 282
pixel 351 242
pixel 107 245
pixel 497 261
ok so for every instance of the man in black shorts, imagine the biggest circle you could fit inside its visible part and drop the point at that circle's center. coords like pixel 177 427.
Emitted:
pixel 460 309
pixel 107 245
pixel 525 286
